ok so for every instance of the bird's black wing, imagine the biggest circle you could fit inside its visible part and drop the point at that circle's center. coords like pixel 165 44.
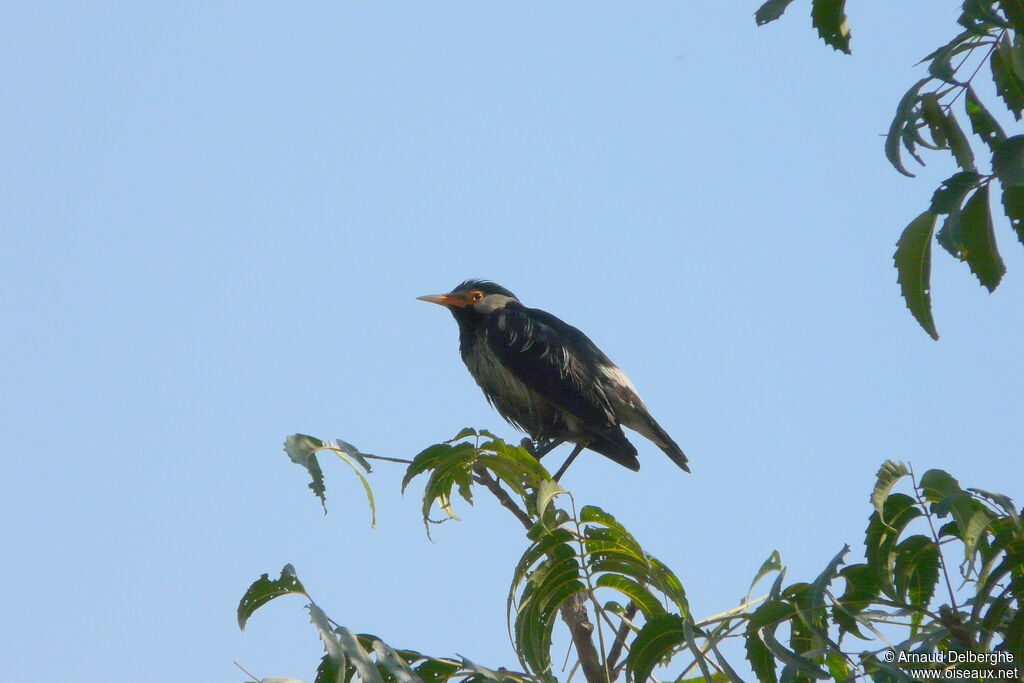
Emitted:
pixel 555 360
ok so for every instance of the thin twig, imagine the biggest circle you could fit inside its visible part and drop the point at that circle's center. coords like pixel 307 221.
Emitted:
pixel 384 457
pixel 247 673
pixel 620 638
pixel 722 616
pixel 484 477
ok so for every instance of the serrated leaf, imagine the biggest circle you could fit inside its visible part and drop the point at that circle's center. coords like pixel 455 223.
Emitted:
pixel 793 661
pixel 978 241
pixel 1008 85
pixel 1005 503
pixel 1014 11
pixel 772 564
pixel 1013 206
pixel 958 142
pixel 1008 161
pixel 301 449
pixel 932 114
pixel 330 639
pixel 862 586
pixel 263 590
pixel 431 457
pixel 329 671
pixel 657 640
pixel 394 663
pixel 635 591
pixel 888 474
pixel 948 236
pixel 983 124
pixel 1017 53
pixel 882 534
pixel 357 656
pixel 904 110
pixel 913 266
pixel 770 11
pixel 770 613
pixel 547 490
pixel 815 599
pixel 436 670
pixel 916 570
pixel 462 434
pixel 829 18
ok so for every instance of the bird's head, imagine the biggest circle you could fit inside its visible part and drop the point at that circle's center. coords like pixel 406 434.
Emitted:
pixel 472 299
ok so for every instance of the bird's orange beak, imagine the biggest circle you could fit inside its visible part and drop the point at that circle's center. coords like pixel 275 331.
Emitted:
pixel 444 300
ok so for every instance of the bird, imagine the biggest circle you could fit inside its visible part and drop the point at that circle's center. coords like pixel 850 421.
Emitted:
pixel 547 378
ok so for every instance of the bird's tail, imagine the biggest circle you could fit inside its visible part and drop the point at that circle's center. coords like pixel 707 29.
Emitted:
pixel 615 447
pixel 650 428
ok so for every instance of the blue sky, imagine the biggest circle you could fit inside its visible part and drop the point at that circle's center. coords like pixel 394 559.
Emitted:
pixel 217 217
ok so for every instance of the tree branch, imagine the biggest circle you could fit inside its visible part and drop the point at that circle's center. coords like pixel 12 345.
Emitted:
pixel 573 610
pixel 620 638
pixel 574 614
pixel 484 477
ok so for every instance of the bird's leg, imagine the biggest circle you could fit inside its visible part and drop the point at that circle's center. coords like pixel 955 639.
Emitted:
pixel 537 450
pixel 541 451
pixel 568 461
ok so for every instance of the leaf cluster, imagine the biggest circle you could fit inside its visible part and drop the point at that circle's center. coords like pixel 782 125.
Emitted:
pixel 991 34
pixel 942 572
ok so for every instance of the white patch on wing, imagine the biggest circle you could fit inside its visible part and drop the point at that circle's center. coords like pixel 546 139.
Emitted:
pixel 618 377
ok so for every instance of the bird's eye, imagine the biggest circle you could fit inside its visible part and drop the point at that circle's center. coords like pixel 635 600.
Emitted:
pixel 476 296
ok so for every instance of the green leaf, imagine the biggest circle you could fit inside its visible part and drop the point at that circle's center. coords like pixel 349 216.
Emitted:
pixel 1008 161
pixel 556 578
pixel 547 490
pixel 983 123
pixel 1008 85
pixel 462 434
pixel 948 236
pixel 656 642
pixel 816 593
pixel 790 658
pixel 331 642
pixel 958 142
pixel 916 570
pixel 1014 11
pixel 329 671
pixel 932 114
pixel 358 656
pixel 391 661
pixel 770 11
pixel 263 590
pixel 913 266
pixel 772 564
pixel 635 591
pixel 978 240
pixel 862 586
pixel 883 533
pixel 770 613
pixel 1005 503
pixel 888 474
pixel 301 449
pixel 1017 54
pixel 829 17
pixel 431 457
pixel 1013 206
pixel 436 670
pixel 904 113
